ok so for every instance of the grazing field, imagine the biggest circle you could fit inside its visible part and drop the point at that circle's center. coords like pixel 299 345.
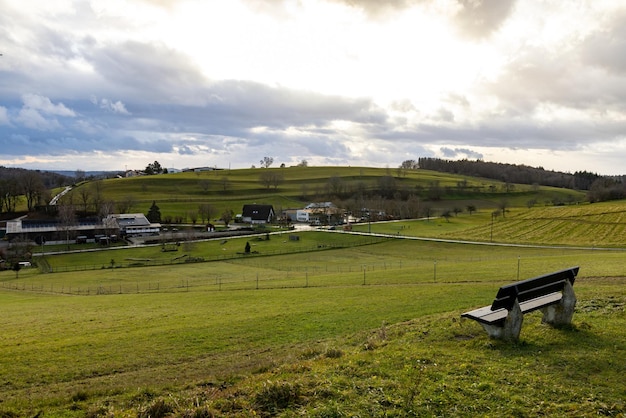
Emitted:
pixel 328 324
pixel 178 194
pixel 587 225
pixel 369 327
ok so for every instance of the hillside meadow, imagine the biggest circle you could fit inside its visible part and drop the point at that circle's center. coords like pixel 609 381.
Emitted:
pixel 587 225
pixel 331 324
pixel 370 327
pixel 177 194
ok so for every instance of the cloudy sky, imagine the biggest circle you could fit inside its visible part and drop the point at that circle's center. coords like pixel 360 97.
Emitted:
pixel 115 84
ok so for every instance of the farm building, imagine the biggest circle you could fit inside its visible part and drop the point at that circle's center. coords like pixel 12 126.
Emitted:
pixel 82 229
pixel 257 214
pixel 50 230
pixel 129 224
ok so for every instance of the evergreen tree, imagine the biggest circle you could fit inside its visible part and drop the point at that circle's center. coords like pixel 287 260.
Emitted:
pixel 154 213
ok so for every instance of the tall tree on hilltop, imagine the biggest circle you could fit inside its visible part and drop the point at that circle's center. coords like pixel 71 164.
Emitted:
pixel 155 168
pixel 267 162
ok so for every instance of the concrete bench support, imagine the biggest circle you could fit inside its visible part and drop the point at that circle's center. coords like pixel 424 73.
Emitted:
pixel 561 313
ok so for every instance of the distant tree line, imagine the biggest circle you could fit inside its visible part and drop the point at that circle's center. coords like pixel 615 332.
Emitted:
pixel 599 188
pixel 512 173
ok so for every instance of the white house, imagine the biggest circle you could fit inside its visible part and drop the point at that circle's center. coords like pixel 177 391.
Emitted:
pixel 132 224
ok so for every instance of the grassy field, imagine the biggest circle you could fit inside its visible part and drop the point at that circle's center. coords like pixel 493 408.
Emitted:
pixel 329 325
pixel 369 329
pixel 588 225
pixel 177 194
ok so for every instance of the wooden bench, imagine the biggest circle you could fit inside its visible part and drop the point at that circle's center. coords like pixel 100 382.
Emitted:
pixel 552 293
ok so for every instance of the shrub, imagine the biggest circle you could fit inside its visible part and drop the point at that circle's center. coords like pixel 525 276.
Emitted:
pixel 276 396
pixel 79 396
pixel 202 412
pixel 333 353
pixel 157 409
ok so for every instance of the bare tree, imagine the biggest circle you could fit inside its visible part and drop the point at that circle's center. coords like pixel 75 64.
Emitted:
pixel 32 187
pixel 104 210
pixel 126 204
pixel 335 186
pixel 204 185
pixel 193 216
pixel 206 211
pixel 225 183
pixel 97 197
pixel 265 178
pixel 502 205
pixel 85 196
pixel 387 185
pixel 227 217
pixel 277 180
pixel 79 175
pixel 67 221
pixel 267 162
pixel 9 194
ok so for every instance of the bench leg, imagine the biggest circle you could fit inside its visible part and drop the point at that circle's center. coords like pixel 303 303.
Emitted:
pixel 562 312
pixel 512 325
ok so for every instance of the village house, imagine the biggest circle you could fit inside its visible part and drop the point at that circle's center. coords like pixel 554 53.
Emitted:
pixel 257 214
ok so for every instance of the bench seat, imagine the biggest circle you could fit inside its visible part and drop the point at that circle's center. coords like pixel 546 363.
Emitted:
pixel 486 316
pixel 551 293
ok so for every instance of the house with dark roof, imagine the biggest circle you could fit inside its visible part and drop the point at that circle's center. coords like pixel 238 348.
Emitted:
pixel 257 214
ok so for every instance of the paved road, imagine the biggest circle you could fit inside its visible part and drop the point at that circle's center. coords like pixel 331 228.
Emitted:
pixel 56 198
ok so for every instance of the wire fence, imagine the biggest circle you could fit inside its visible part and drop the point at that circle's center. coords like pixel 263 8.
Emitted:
pixel 45 266
pixel 253 276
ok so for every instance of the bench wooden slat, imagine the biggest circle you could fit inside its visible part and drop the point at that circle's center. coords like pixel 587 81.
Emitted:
pixel 497 317
pixel 486 315
pixel 540 302
pixel 505 298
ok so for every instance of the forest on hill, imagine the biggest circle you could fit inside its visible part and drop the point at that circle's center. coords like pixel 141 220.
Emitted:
pixel 599 188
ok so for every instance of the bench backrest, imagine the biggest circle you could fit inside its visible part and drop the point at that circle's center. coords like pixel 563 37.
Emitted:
pixel 531 288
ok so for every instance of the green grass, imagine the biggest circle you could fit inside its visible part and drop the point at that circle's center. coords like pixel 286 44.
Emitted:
pixel 178 194
pixel 597 225
pixel 331 325
pixel 232 336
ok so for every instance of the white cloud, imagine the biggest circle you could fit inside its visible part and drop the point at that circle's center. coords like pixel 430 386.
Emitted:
pixel 40 103
pixel 32 119
pixel 115 107
pixel 342 81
